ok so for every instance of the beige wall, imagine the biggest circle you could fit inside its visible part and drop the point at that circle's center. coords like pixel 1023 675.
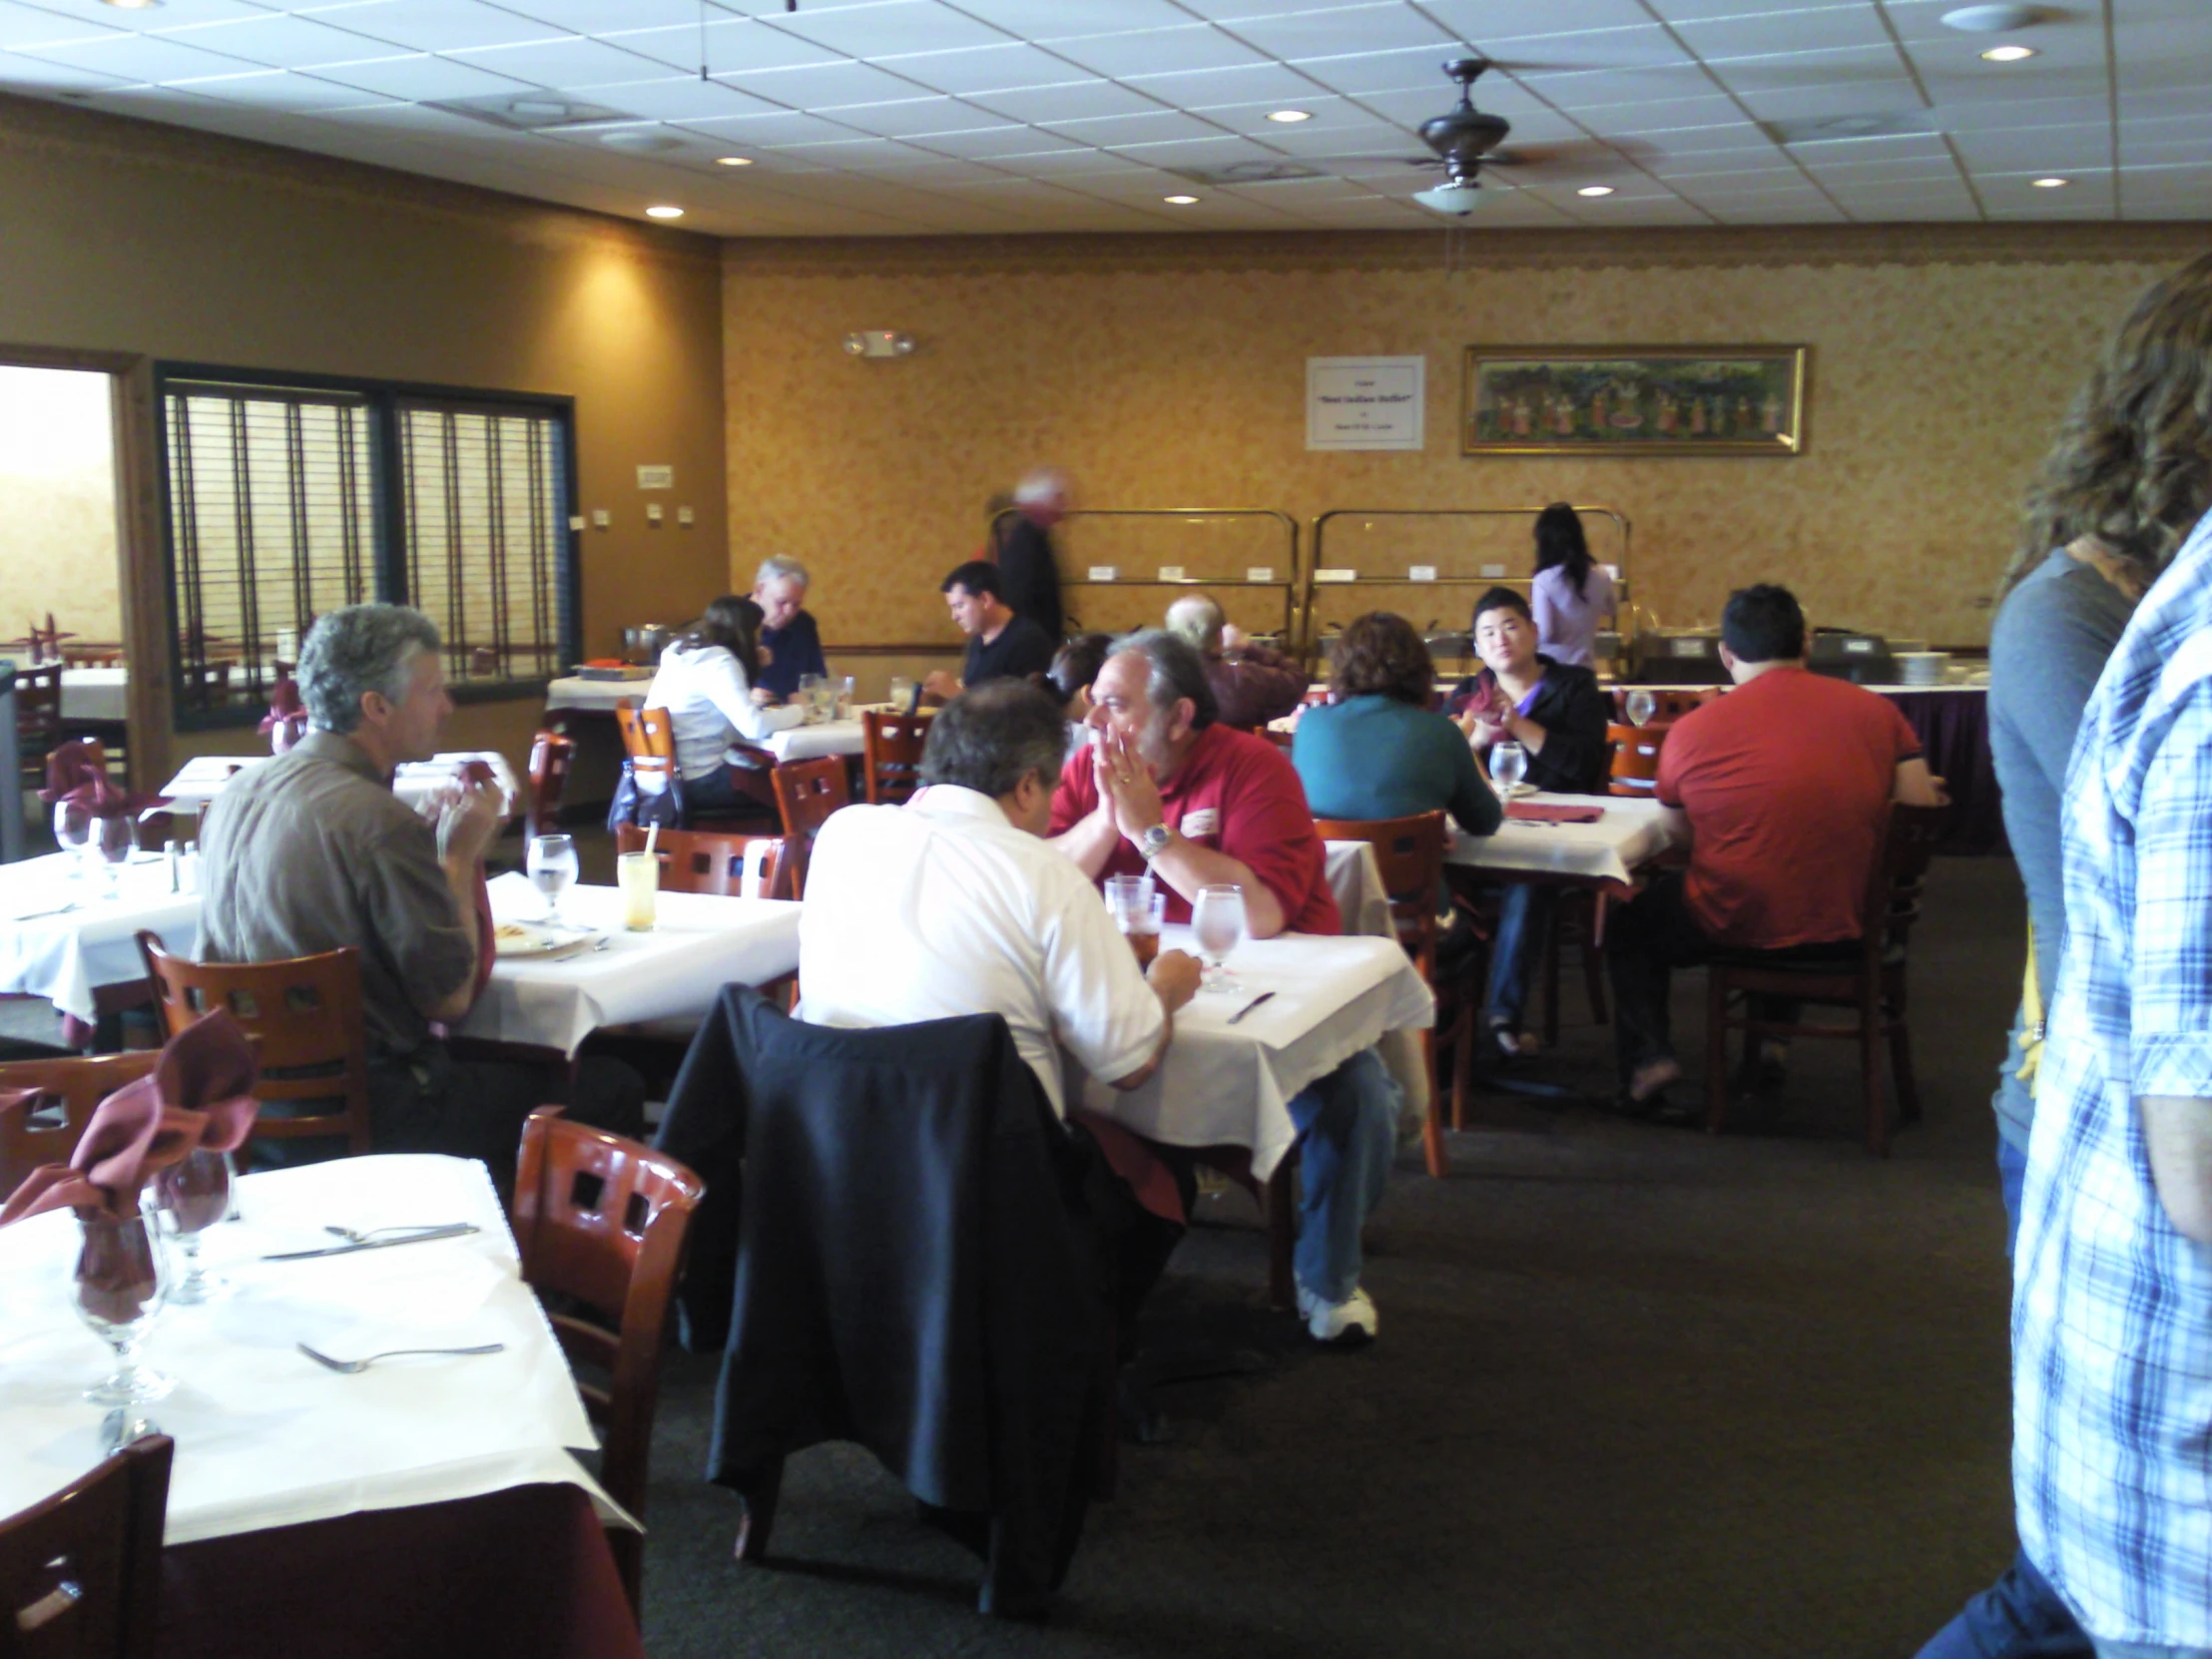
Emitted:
pixel 57 503
pixel 123 236
pixel 1170 372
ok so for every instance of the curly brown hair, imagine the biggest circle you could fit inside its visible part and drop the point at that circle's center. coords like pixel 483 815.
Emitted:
pixel 1380 653
pixel 2132 462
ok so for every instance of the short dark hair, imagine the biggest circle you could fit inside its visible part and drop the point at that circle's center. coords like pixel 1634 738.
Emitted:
pixel 978 576
pixel 1177 671
pixel 1381 652
pixel 1076 665
pixel 1499 599
pixel 1762 624
pixel 990 739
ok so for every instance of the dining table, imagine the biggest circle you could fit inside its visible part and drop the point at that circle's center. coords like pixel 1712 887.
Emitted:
pixel 65 937
pixel 96 695
pixel 205 776
pixel 1607 852
pixel 418 1507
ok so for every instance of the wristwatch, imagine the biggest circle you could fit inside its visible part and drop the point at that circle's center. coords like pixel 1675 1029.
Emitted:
pixel 1154 841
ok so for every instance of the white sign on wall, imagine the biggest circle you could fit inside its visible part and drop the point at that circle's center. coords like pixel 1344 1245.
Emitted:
pixel 1365 402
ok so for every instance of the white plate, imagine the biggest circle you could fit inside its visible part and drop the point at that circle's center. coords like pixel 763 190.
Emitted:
pixel 522 940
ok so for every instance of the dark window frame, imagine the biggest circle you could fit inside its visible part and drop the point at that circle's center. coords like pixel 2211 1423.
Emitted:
pixel 386 554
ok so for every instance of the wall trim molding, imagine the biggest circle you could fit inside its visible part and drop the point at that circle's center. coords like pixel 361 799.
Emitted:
pixel 33 125
pixel 1464 253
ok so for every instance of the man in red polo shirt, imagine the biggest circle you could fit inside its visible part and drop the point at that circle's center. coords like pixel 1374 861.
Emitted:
pixel 1163 785
pixel 1783 790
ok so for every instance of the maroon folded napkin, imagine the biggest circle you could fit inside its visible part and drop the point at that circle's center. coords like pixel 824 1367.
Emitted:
pixel 1551 811
pixel 283 705
pixel 198 1097
pixel 76 774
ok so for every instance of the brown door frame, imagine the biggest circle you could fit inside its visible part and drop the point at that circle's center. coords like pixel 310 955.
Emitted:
pixel 144 589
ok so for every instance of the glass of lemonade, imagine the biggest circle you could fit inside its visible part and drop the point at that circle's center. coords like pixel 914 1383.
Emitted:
pixel 638 877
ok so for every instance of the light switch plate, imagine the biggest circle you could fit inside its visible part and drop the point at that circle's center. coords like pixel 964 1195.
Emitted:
pixel 684 517
pixel 601 519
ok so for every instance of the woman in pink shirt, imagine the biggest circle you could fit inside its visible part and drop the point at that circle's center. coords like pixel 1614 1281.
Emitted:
pixel 1571 598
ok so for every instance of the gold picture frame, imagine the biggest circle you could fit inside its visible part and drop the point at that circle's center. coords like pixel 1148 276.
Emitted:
pixel 1633 400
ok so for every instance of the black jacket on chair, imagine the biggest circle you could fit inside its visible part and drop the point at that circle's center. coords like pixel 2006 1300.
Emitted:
pixel 894 1249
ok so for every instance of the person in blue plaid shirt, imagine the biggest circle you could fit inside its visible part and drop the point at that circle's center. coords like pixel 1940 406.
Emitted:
pixel 2112 1303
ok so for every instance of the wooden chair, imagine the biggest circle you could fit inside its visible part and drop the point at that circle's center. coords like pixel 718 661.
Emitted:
pixel 551 756
pixel 806 792
pixel 1409 852
pixel 602 1220
pixel 81 1571
pixel 701 860
pixel 1672 703
pixel 1872 983
pixel 646 733
pixel 38 719
pixel 46 1130
pixel 891 747
pixel 1636 757
pixel 304 1016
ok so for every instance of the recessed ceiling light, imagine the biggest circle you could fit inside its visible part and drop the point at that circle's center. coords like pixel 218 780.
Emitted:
pixel 733 161
pixel 133 5
pixel 1288 117
pixel 1595 190
pixel 2009 54
pixel 663 211
pixel 2052 184
pixel 1179 200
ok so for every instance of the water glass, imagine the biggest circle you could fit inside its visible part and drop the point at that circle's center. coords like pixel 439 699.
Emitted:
pixel 1641 707
pixel 118 1286
pixel 844 690
pixel 114 840
pixel 901 693
pixel 552 866
pixel 1509 764
pixel 73 832
pixel 189 1197
pixel 1218 924
pixel 810 695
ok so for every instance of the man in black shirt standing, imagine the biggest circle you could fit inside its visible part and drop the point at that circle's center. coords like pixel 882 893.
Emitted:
pixel 1001 645
pixel 1027 562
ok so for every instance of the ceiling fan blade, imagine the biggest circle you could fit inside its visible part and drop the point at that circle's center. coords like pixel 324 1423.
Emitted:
pixel 1370 161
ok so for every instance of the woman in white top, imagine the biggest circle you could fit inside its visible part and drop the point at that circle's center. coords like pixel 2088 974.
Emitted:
pixel 705 684
pixel 1571 598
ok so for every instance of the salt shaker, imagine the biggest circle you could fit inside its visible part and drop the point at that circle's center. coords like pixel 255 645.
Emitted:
pixel 176 858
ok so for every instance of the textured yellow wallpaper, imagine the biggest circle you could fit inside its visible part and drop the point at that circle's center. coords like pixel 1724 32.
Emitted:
pixel 1168 372
pixel 57 476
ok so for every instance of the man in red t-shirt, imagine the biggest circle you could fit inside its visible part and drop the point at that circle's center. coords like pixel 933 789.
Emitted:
pixel 1783 790
pixel 1164 785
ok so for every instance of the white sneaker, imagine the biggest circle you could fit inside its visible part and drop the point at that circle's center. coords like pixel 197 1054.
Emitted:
pixel 1352 1322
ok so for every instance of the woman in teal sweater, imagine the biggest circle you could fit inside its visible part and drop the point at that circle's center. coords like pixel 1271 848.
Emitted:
pixel 1379 750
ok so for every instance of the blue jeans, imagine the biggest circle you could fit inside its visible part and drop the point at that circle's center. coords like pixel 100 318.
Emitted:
pixel 2143 1650
pixel 2020 1617
pixel 1346 1135
pixel 1523 915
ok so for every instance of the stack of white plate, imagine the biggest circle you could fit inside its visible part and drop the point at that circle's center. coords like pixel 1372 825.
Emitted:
pixel 1922 668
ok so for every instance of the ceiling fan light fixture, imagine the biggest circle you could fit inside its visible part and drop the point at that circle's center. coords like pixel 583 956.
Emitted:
pixel 2009 54
pixel 1595 190
pixel 1454 200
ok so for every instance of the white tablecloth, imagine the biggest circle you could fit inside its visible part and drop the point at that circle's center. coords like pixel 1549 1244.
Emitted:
pixel 1231 1086
pixel 265 1436
pixel 811 742
pixel 702 943
pixel 96 693
pixel 65 957
pixel 1629 835
pixel 204 775
pixel 597 695
pixel 1357 882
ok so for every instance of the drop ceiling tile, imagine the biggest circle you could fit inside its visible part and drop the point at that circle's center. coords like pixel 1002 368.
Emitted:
pixel 921 117
pixel 1199 88
pixel 1819 103
pixel 679 98
pixel 430 25
pixel 1072 100
pixel 1480 21
pixel 1411 106
pixel 1598 89
pixel 21 74
pixel 568 65
pixel 1070 162
pixel 890 28
pixel 2153 106
pixel 86 17
pixel 140 58
pixel 1157 51
pixel 1206 151
pixel 1376 139
pixel 1037 20
pixel 2021 116
pixel 1765 32
pixel 2043 149
pixel 35 26
pixel 423 120
pixel 1669 115
pixel 1647 47
pixel 1846 174
pixel 1325 112
pixel 996 142
pixel 2136 153
pixel 1409 68
pixel 1844 67
pixel 280 42
pixel 985 69
pixel 824 86
pixel 747 132
pixel 279 90
pixel 1745 140
pixel 420 77
pixel 730 46
pixel 600 17
pixel 1156 128
pixel 853 153
pixel 1225 11
pixel 1697 11
pixel 1372 27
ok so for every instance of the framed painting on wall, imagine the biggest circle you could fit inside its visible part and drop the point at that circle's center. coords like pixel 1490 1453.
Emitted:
pixel 1634 400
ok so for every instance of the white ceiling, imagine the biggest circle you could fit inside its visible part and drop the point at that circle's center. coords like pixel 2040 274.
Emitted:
pixel 902 117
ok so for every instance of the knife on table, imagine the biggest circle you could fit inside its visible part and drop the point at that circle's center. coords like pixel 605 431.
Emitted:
pixel 456 1230
pixel 1249 1006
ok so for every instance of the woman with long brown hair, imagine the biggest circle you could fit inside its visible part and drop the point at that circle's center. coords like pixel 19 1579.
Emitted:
pixel 706 682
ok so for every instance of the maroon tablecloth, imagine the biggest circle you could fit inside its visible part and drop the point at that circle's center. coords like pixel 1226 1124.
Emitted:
pixel 1953 726
pixel 524 1572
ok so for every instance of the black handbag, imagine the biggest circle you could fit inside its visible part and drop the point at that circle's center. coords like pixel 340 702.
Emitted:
pixel 656 797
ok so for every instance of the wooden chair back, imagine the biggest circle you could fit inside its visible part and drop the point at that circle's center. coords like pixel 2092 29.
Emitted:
pixel 701 861
pixel 305 1016
pixel 46 1128
pixel 1410 851
pixel 1636 759
pixel 806 792
pixel 1672 701
pixel 38 711
pixel 551 756
pixel 602 1220
pixel 81 1571
pixel 646 733
pixel 891 746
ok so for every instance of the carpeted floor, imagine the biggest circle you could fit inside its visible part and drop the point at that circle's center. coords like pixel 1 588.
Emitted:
pixel 1639 1392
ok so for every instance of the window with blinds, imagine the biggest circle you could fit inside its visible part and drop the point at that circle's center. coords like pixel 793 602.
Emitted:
pixel 287 502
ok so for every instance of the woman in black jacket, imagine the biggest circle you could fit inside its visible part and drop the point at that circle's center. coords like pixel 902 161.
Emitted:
pixel 1559 716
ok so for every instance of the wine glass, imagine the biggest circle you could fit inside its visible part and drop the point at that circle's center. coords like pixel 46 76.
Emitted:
pixel 1509 764
pixel 189 1197
pixel 118 1287
pixel 1641 707
pixel 552 866
pixel 1218 925
pixel 113 838
pixel 73 832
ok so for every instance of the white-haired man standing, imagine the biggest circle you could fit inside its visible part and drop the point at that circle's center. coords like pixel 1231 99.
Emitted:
pixel 1028 569
pixel 793 644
